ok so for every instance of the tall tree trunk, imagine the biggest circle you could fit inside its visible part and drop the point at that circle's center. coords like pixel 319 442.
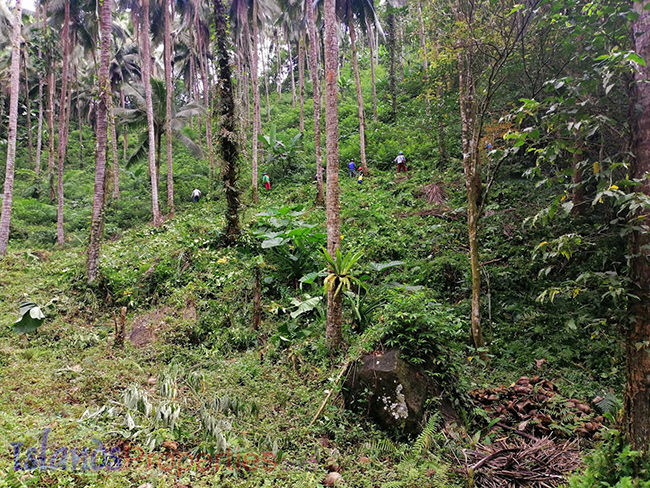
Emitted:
pixel 168 5
pixel 333 333
pixel 257 117
pixel 28 109
pixel 227 133
pixel 116 159
pixel 637 392
pixel 392 75
pixel 125 130
pixel 146 81
pixel 41 83
pixel 39 133
pixel 64 121
pixel 471 160
pixel 423 39
pixel 301 80
pixel 51 86
pixel 103 105
pixel 357 80
pixel 79 119
pixel 291 73
pixel 278 57
pixel 371 46
pixel 266 84
pixel 5 218
pixel 315 79
pixel 208 118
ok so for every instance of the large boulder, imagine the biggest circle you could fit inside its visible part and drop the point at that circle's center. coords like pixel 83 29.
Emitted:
pixel 393 392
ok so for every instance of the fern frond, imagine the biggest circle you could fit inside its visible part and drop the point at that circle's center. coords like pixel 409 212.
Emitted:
pixel 427 437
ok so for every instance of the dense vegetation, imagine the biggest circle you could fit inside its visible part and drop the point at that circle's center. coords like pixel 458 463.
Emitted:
pixel 512 247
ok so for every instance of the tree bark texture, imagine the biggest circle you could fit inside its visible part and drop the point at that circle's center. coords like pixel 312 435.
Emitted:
pixel 471 160
pixel 227 135
pixel 14 90
pixel 637 392
pixel 103 105
pixel 333 333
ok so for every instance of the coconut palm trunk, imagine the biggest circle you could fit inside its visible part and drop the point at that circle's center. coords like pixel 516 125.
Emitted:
pixel 373 80
pixel 168 5
pixel 5 218
pixel 146 81
pixel 115 154
pixel 301 80
pixel 28 109
pixel 257 118
pixel 208 119
pixel 227 133
pixel 103 105
pixel 313 71
pixel 278 61
pixel 41 83
pixel 64 121
pixel 392 46
pixel 291 73
pixel 333 333
pixel 357 80
pixel 39 129
pixel 51 86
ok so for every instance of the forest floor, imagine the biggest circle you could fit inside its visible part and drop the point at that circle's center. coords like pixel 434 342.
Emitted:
pixel 193 380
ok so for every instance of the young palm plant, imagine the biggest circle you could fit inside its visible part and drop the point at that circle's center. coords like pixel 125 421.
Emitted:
pixel 341 277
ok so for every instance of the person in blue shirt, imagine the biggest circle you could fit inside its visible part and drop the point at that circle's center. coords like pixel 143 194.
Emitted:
pixel 352 169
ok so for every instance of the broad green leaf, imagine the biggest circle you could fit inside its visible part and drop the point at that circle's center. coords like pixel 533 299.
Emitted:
pixel 32 318
pixel 276 241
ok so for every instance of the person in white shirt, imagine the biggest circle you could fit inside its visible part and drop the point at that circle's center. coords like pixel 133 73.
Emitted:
pixel 401 162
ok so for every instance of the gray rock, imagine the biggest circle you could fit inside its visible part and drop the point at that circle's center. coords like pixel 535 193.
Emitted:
pixel 393 392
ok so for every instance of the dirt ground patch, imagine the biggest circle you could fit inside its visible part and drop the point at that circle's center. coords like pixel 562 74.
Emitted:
pixel 148 325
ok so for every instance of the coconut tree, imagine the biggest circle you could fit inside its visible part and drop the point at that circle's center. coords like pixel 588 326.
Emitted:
pixel 7 198
pixel 248 35
pixel 64 120
pixel 167 6
pixel 333 332
pixel 361 12
pixel 146 82
pixel 314 43
pixel 227 134
pixel 101 125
